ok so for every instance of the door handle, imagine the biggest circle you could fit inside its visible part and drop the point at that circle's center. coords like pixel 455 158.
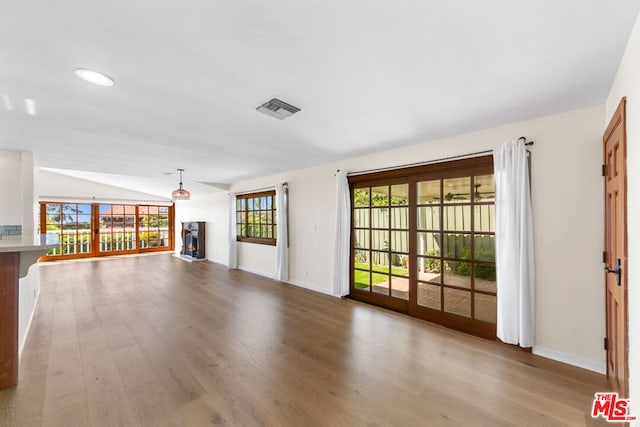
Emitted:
pixel 617 271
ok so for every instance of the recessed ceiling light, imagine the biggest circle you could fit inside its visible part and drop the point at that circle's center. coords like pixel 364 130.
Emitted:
pixel 30 105
pixel 94 77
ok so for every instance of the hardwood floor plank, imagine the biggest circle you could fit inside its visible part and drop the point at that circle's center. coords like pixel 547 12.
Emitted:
pixel 65 378
pixel 23 404
pixel 155 341
pixel 148 398
pixel 76 414
pixel 106 398
pixel 161 357
pixel 201 412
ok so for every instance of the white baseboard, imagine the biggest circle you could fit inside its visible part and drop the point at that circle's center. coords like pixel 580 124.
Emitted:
pixel 310 287
pixel 258 272
pixel 187 258
pixel 26 333
pixel 218 261
pixel 290 282
pixel 570 359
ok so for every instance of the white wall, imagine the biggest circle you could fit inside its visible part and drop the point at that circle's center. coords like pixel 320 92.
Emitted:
pixel 18 186
pixel 627 83
pixel 30 284
pixel 30 189
pixel 54 186
pixel 28 298
pixel 568 218
pixel 10 188
pixel 18 192
pixel 212 209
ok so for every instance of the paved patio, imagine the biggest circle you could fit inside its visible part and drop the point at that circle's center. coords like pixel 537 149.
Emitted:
pixel 455 301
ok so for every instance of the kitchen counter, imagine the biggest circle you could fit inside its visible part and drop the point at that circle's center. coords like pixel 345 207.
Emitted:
pixel 29 249
pixel 16 256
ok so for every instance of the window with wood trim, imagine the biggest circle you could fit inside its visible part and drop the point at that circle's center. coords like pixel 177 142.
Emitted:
pixel 71 224
pixel 153 226
pixel 86 230
pixel 116 228
pixel 256 217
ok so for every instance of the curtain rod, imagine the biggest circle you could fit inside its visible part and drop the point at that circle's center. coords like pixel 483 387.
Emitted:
pixel 104 200
pixel 273 187
pixel 428 162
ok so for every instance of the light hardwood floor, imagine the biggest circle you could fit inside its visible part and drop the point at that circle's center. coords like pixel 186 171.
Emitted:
pixel 156 341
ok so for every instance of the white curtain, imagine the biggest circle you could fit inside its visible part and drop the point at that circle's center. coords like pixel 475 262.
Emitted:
pixel 514 245
pixel 233 244
pixel 342 249
pixel 282 239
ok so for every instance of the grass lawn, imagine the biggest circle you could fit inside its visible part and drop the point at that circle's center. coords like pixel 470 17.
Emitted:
pixel 361 278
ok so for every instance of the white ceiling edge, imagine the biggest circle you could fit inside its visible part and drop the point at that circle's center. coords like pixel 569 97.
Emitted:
pixel 161 187
pixel 217 185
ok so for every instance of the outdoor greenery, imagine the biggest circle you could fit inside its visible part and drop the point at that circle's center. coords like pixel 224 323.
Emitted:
pixel 432 265
pixel 462 268
pixel 70 243
pixel 58 213
pixel 154 221
pixel 374 213
pixel 256 216
pixel 361 198
pixel 486 272
pixel 72 223
pixel 361 278
pixel 80 243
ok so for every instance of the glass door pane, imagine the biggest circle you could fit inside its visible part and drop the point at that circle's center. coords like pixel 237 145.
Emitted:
pixel 116 228
pixel 153 226
pixel 381 240
pixel 70 223
pixel 429 243
pixel 456 246
pixel 85 234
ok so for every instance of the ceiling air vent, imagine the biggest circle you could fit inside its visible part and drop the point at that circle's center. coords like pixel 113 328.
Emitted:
pixel 278 109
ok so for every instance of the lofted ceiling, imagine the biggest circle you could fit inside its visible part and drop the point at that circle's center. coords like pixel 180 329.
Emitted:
pixel 368 75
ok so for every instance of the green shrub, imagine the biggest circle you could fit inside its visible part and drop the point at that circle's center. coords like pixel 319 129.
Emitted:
pixel 486 272
pixel 432 265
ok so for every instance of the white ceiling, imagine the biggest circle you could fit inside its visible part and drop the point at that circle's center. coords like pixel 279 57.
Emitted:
pixel 368 75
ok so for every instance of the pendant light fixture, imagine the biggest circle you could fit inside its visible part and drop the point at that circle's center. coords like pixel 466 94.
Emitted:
pixel 180 193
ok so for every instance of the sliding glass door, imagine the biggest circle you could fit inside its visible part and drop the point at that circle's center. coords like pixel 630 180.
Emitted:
pixel 381 242
pixel 423 243
pixel 117 229
pixel 456 277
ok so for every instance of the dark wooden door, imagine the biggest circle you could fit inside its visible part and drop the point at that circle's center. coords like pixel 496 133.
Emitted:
pixel 616 250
